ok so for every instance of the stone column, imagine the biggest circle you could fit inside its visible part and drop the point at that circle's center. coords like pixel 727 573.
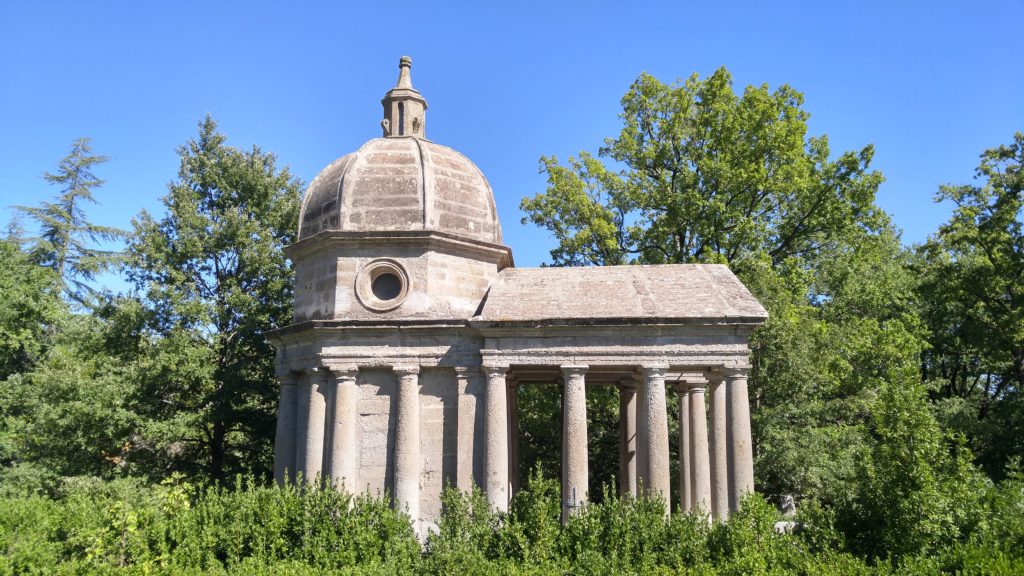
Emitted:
pixel 741 458
pixel 312 409
pixel 284 438
pixel 656 416
pixel 700 473
pixel 344 422
pixel 514 475
pixel 643 481
pixel 496 437
pixel 575 468
pixel 718 448
pixel 685 452
pixel 627 438
pixel 407 443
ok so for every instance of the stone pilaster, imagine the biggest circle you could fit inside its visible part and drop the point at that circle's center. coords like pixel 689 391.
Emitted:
pixel 407 443
pixel 741 458
pixel 575 468
pixel 685 450
pixel 627 438
pixel 344 450
pixel 700 480
pixel 656 416
pixel 718 448
pixel 285 436
pixel 496 437
pixel 468 463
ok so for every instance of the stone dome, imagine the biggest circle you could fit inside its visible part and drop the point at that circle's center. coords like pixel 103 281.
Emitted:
pixel 401 183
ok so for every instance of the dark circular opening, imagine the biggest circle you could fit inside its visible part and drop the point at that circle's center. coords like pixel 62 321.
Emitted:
pixel 387 286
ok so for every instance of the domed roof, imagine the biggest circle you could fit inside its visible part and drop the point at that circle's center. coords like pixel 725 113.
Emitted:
pixel 402 182
pixel 398 184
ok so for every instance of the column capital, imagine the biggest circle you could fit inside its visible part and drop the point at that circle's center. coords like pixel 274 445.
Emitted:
pixel 653 370
pixel 288 378
pixel 574 369
pixel 681 387
pixel 494 370
pixel 406 370
pixel 341 372
pixel 735 372
pixel 715 376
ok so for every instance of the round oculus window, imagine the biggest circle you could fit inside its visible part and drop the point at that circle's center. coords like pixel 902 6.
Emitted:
pixel 386 287
pixel 382 285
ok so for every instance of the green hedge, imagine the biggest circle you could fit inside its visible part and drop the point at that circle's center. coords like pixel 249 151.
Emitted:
pixel 124 527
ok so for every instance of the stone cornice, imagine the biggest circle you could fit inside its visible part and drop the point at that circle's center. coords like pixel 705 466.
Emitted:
pixel 442 241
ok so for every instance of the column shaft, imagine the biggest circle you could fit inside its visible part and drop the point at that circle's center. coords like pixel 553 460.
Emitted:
pixel 407 444
pixel 658 473
pixel 314 398
pixel 627 440
pixel 700 472
pixel 642 432
pixel 575 468
pixel 685 451
pixel 284 438
pixel 719 450
pixel 344 421
pixel 514 474
pixel 741 458
pixel 496 438
pixel 469 460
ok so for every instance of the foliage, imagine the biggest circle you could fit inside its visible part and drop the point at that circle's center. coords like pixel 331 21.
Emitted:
pixel 65 233
pixel 973 305
pixel 215 279
pixel 916 489
pixel 29 308
pixel 709 176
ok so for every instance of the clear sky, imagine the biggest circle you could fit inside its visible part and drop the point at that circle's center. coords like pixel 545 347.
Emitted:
pixel 930 84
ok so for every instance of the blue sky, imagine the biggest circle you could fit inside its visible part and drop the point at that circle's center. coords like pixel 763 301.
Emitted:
pixel 930 84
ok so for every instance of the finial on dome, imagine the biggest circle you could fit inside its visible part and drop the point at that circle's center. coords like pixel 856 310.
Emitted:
pixel 404 76
pixel 404 107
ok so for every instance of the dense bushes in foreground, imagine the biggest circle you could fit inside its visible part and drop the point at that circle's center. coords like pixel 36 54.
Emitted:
pixel 122 527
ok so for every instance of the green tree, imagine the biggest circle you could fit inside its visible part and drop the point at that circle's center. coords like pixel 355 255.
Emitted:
pixel 65 239
pixel 29 305
pixel 972 301
pixel 709 176
pixel 215 278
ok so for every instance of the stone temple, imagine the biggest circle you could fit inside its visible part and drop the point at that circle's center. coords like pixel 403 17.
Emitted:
pixel 413 330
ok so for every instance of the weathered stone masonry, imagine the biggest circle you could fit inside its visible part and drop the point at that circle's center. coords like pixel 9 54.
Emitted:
pixel 413 330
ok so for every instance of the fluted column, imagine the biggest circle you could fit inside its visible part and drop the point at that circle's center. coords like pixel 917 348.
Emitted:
pixel 496 437
pixel 407 443
pixel 575 468
pixel 285 436
pixel 700 473
pixel 627 438
pixel 741 458
pixel 344 420
pixel 718 448
pixel 685 451
pixel 312 412
pixel 656 416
